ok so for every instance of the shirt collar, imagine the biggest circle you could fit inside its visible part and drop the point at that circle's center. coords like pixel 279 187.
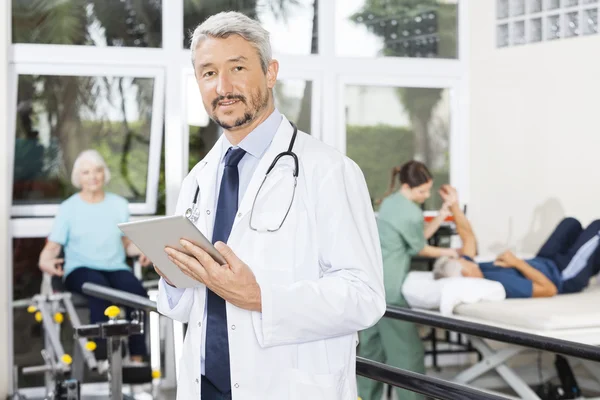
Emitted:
pixel 257 141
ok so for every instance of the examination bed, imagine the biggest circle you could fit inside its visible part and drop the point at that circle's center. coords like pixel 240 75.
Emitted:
pixel 572 317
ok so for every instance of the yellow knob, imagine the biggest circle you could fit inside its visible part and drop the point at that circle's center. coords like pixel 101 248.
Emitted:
pixel 155 374
pixel 38 316
pixel 59 318
pixel 90 346
pixel 112 311
pixel 66 359
pixel 31 309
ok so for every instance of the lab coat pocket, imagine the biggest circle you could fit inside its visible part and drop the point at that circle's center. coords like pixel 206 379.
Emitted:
pixel 304 385
pixel 277 250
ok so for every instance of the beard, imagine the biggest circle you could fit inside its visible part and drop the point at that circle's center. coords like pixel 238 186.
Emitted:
pixel 258 102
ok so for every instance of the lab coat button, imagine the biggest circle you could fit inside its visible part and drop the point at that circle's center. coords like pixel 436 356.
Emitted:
pixel 197 380
pixel 239 215
pixel 233 327
pixel 236 385
pixel 199 324
pixel 207 212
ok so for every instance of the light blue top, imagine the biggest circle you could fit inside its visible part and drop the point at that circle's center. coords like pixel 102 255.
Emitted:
pixel 89 234
pixel 255 144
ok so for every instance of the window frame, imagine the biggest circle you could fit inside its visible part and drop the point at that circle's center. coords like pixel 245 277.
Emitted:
pixel 458 141
pixel 156 126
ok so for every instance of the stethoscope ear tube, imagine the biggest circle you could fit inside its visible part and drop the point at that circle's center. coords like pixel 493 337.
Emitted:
pixel 285 153
pixel 192 213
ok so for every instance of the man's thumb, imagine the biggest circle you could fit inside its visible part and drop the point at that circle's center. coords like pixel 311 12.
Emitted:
pixel 232 260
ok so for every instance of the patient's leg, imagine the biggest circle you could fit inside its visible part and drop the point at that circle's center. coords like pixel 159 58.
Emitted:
pixel 126 281
pixel 584 259
pixel 74 283
pixel 561 240
pixel 589 232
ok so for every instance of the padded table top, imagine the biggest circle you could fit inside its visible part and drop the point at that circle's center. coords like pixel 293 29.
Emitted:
pixel 561 312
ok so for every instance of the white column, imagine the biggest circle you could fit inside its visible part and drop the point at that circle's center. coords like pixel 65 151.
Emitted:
pixel 6 350
pixel 175 170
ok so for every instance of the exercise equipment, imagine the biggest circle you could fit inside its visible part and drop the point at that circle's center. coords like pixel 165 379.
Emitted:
pixel 114 331
pixel 63 372
pixel 49 310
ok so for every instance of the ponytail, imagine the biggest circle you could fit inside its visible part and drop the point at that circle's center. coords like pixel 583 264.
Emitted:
pixel 412 173
pixel 395 172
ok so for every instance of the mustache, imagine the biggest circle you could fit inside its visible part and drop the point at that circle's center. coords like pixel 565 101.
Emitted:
pixel 239 97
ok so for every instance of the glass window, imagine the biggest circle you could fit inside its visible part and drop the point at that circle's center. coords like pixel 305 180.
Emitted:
pixel 292 98
pixel 292 24
pixel 131 23
pixel 388 126
pixel 60 116
pixel 566 19
pixel 397 28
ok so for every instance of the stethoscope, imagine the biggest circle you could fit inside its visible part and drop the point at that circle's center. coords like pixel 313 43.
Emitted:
pixel 193 213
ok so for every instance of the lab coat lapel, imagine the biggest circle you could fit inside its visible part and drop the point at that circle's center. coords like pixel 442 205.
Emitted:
pixel 206 179
pixel 280 143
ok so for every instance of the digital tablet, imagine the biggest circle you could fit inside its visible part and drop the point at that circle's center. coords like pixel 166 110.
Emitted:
pixel 151 236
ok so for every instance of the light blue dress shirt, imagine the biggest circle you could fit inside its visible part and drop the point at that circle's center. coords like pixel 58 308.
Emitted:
pixel 255 144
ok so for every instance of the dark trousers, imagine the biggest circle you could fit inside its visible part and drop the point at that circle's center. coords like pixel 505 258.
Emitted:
pixel 121 280
pixel 562 245
pixel 210 392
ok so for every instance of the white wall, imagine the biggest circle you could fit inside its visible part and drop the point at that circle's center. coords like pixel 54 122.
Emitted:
pixel 534 134
pixel 5 293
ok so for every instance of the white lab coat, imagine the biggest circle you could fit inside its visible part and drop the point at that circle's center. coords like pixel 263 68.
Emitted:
pixel 320 276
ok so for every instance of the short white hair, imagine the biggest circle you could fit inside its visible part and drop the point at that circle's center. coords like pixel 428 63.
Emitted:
pixel 92 156
pixel 446 267
pixel 227 23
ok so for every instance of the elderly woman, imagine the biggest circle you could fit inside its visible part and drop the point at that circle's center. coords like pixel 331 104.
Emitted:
pixel 94 247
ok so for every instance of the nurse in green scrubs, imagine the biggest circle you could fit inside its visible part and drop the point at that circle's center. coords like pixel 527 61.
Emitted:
pixel 403 234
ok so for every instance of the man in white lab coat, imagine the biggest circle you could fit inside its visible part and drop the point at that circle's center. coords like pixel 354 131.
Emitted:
pixel 304 271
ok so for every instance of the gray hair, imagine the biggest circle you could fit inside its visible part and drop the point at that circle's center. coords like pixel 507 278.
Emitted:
pixel 446 267
pixel 92 156
pixel 227 23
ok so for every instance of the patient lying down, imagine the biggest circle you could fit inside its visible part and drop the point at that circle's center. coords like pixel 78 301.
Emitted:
pixel 564 264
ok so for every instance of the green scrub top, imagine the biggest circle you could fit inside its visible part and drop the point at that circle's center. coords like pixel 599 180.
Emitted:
pixel 402 235
pixel 396 343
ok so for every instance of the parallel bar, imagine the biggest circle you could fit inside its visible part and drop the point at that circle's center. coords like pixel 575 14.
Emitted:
pixel 429 386
pixel 409 380
pixel 119 297
pixel 530 340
